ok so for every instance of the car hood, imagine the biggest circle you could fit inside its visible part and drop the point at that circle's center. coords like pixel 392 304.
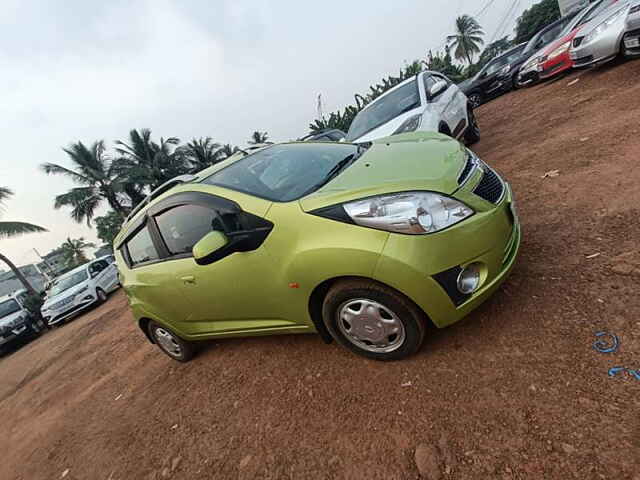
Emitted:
pixel 9 319
pixel 61 296
pixel 567 38
pixel 405 162
pixel 387 129
pixel 588 27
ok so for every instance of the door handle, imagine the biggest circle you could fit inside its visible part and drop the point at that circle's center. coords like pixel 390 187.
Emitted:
pixel 189 280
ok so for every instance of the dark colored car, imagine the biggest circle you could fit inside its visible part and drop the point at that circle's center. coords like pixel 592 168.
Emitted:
pixel 495 78
pixel 327 135
pixel 528 73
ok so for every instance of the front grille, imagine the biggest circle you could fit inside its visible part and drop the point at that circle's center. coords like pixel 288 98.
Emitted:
pixel 62 303
pixel 466 171
pixel 577 41
pixel 490 187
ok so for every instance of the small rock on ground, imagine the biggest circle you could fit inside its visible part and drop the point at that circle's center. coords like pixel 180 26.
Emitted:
pixel 426 458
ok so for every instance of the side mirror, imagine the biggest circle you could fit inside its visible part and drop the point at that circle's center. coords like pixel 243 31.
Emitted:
pixel 483 74
pixel 437 88
pixel 212 247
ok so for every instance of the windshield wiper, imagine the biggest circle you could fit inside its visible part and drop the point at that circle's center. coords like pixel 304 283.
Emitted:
pixel 340 166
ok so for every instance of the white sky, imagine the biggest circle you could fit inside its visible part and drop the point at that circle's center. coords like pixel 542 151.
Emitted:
pixel 86 70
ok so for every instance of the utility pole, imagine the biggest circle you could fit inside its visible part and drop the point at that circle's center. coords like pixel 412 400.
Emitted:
pixel 49 268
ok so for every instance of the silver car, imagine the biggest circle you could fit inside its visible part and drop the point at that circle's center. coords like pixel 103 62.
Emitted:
pixel 602 39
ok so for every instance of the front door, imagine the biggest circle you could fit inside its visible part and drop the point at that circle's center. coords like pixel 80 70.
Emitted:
pixel 235 293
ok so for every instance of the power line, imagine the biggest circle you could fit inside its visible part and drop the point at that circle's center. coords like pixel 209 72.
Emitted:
pixel 503 23
pixel 484 9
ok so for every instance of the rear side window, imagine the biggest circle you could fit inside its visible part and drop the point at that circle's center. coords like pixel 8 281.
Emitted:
pixel 141 247
pixel 183 226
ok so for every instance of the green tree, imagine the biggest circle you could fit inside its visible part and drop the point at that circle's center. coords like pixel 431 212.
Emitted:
pixel 73 251
pixel 98 178
pixel 443 63
pixel 202 153
pixel 147 164
pixel 14 229
pixel 467 39
pixel 258 137
pixel 536 17
pixel 108 226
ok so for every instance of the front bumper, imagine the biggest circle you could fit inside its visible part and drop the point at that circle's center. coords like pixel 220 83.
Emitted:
pixel 9 336
pixel 528 77
pixel 555 66
pixel 599 51
pixel 410 263
pixel 53 317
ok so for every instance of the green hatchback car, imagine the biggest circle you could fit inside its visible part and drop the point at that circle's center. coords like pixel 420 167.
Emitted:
pixel 361 243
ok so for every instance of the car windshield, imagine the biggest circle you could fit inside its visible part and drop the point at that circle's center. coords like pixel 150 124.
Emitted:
pixel 385 109
pixel 498 63
pixel 283 173
pixel 70 281
pixel 587 14
pixel 8 307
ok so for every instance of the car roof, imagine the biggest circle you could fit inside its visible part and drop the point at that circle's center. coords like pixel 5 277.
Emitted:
pixel 7 297
pixel 75 270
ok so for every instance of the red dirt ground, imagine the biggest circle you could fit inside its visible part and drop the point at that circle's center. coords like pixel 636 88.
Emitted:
pixel 514 391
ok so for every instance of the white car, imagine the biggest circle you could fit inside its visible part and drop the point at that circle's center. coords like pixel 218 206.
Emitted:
pixel 427 102
pixel 78 289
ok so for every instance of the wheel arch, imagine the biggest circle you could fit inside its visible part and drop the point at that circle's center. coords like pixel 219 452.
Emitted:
pixel 444 128
pixel 143 323
pixel 316 299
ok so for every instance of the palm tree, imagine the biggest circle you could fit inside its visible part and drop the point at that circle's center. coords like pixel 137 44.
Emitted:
pixel 13 229
pixel 98 177
pixel 202 153
pixel 146 163
pixel 258 138
pixel 73 251
pixel 467 39
pixel 227 150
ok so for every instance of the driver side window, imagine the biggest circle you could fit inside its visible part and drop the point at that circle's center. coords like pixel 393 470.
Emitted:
pixel 181 227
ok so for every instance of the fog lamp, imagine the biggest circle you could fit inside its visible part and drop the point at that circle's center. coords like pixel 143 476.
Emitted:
pixel 469 278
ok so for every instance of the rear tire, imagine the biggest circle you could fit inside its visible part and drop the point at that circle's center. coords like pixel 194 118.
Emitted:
pixel 373 320
pixel 170 343
pixel 472 135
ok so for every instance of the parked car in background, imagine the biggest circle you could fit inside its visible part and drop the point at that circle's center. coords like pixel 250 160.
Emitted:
pixel 363 243
pixel 78 289
pixel 327 135
pixel 556 58
pixel 496 77
pixel 16 323
pixel 528 73
pixel 427 102
pixel 607 36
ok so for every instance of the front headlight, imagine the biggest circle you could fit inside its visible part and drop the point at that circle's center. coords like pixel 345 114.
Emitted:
pixel 604 25
pixel 505 70
pixel 531 64
pixel 411 124
pixel 560 50
pixel 414 213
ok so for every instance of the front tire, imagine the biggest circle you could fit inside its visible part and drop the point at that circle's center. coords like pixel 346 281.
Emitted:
pixel 472 135
pixel 101 296
pixel 475 99
pixel 170 343
pixel 373 320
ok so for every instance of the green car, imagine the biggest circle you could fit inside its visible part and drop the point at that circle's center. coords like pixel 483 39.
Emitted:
pixel 361 243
